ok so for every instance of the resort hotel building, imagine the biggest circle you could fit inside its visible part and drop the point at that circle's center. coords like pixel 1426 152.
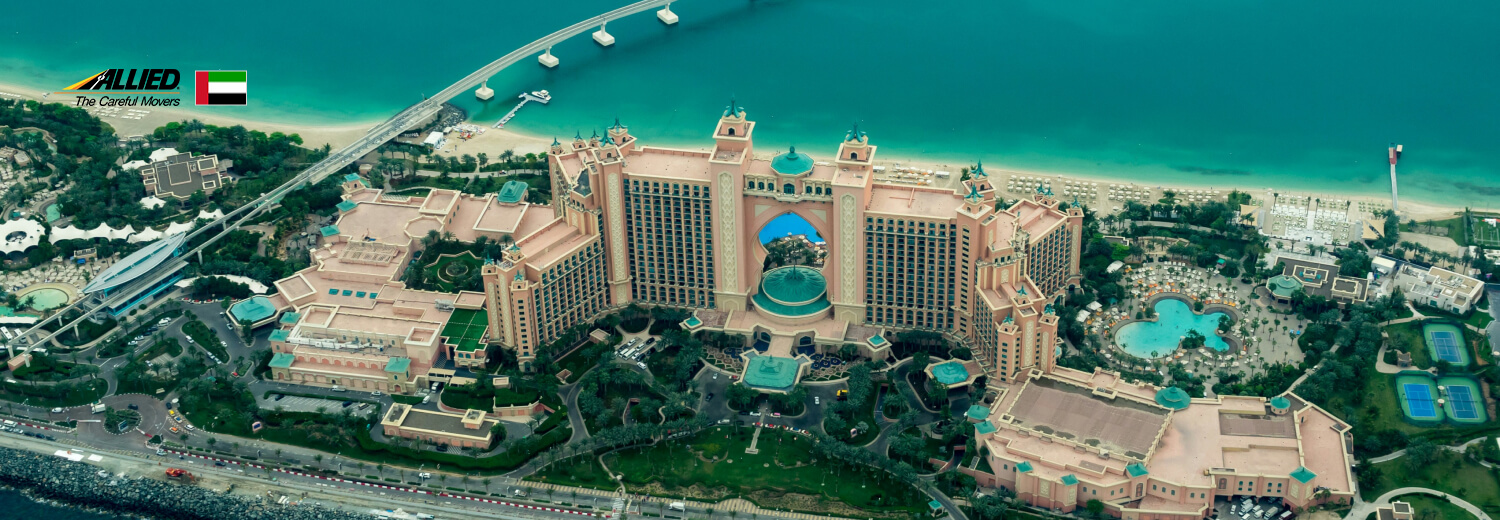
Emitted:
pixel 635 223
pixel 1061 438
pixel 680 228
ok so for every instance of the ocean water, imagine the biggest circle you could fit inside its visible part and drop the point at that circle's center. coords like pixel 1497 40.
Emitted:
pixel 16 505
pixel 1255 93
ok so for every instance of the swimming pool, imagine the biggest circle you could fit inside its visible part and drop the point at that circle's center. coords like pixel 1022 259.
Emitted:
pixel 45 299
pixel 1147 339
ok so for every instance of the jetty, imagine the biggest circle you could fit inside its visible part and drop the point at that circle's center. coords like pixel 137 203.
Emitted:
pixel 526 97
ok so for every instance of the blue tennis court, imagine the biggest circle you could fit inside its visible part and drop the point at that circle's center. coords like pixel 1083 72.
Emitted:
pixel 1463 403
pixel 1419 400
pixel 1446 345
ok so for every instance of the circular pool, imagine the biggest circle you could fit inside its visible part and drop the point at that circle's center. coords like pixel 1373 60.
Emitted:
pixel 44 299
pixel 1155 339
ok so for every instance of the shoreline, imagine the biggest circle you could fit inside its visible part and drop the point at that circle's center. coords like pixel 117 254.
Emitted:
pixel 494 141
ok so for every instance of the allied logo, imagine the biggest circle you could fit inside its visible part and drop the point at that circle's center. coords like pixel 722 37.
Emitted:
pixel 127 87
pixel 130 80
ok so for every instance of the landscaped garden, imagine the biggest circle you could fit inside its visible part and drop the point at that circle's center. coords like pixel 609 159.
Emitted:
pixel 784 474
pixel 206 338
pixel 1435 468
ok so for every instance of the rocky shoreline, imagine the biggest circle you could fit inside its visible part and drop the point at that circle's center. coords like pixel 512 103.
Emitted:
pixel 80 485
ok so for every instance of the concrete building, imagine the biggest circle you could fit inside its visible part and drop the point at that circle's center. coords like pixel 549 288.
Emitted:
pixel 180 175
pixel 1064 437
pixel 1438 287
pixel 469 429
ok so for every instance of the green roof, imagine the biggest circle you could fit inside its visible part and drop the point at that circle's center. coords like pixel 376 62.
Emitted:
pixel 512 192
pixel 1283 286
pixel 290 318
pixel 1136 470
pixel 1281 403
pixel 693 321
pixel 952 373
pixel 282 360
pixel 792 163
pixel 1303 474
pixel 877 340
pixel 1069 480
pixel 1173 397
pixel 329 230
pixel 253 309
pixel 978 413
pixel 771 372
pixel 1023 467
pixel 984 427
pixel 347 205
pixel 935 505
pixel 399 364
pixel 280 335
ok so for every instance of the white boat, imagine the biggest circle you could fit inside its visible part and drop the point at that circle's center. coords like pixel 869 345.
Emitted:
pixel 547 96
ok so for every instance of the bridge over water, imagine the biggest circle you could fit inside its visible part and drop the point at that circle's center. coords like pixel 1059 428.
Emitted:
pixel 336 161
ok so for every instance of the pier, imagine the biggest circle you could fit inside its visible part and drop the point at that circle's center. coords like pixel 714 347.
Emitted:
pixel 526 97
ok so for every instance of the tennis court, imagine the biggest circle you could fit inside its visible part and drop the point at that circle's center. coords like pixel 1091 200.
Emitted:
pixel 1446 342
pixel 1463 404
pixel 1419 400
pixel 465 328
pixel 1418 396
pixel 1485 233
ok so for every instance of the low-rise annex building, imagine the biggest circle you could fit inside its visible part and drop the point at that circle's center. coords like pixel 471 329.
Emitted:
pixel 469 429
pixel 179 175
pixel 1063 437
pixel 349 321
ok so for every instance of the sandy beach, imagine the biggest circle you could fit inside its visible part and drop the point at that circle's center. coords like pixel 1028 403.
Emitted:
pixel 1091 189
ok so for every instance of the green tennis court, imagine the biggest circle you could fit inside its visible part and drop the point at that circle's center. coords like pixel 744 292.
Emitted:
pixel 465 328
pixel 1445 342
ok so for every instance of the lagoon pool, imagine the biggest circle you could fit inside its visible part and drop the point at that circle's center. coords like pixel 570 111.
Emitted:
pixel 1174 319
pixel 45 299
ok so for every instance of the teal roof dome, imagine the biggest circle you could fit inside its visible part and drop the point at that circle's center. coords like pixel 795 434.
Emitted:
pixel 794 285
pixel 792 291
pixel 1173 397
pixel 792 163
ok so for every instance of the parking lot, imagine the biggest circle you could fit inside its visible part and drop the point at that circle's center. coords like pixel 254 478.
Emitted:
pixel 294 403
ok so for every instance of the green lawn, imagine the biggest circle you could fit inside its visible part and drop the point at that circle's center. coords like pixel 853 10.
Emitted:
pixel 782 475
pixel 581 471
pixel 1421 504
pixel 62 394
pixel 1453 474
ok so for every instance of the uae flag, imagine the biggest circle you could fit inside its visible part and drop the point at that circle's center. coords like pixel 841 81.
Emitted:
pixel 221 87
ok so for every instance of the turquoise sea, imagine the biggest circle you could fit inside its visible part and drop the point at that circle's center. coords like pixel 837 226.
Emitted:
pixel 1258 93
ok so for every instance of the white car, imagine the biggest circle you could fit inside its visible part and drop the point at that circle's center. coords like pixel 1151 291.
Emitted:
pixel 817 400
